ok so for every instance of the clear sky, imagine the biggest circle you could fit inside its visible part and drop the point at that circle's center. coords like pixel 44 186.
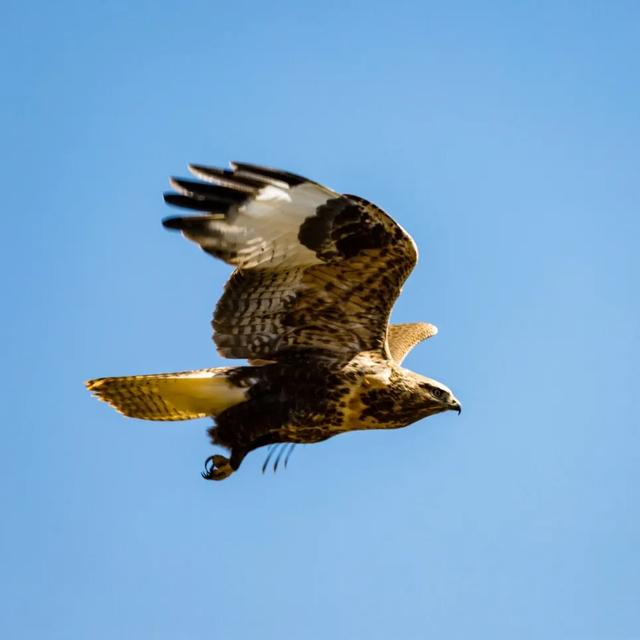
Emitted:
pixel 505 137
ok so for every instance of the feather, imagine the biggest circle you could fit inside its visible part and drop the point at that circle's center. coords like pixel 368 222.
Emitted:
pixel 169 396
pixel 401 338
pixel 267 175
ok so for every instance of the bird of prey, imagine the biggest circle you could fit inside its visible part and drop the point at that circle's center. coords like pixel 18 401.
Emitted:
pixel 316 275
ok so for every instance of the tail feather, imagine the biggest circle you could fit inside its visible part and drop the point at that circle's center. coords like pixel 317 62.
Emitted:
pixel 169 396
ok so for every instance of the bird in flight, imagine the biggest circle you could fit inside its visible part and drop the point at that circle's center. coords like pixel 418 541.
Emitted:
pixel 308 304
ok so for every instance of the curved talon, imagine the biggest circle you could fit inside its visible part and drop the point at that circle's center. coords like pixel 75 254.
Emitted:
pixel 277 462
pixel 292 446
pixel 281 448
pixel 208 470
pixel 217 467
pixel 272 448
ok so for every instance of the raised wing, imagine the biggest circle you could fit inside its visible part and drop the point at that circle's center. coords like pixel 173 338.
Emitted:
pixel 401 338
pixel 314 269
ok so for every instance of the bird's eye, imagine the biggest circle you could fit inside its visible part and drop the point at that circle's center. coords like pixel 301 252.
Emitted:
pixel 437 393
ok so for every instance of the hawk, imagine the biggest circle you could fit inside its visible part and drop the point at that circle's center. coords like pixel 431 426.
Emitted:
pixel 308 304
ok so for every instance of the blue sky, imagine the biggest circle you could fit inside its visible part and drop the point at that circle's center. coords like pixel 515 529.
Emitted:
pixel 504 136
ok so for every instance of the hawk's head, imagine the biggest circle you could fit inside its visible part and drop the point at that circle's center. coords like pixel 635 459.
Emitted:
pixel 437 397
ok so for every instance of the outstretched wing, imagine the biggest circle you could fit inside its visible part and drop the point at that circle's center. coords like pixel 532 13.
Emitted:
pixel 314 269
pixel 401 338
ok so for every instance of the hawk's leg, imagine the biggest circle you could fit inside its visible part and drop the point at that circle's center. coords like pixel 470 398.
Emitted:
pixel 218 467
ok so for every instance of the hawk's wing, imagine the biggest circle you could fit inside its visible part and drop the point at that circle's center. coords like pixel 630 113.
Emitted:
pixel 401 338
pixel 314 269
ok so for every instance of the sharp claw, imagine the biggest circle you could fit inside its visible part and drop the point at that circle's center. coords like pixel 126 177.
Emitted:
pixel 272 448
pixel 282 448
pixel 214 468
pixel 291 448
pixel 277 462
pixel 208 469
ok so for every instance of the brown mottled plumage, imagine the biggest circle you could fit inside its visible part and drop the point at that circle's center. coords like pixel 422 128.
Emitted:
pixel 308 305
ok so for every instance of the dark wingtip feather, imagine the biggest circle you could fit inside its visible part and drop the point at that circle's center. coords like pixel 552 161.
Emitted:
pixel 172 223
pixel 186 202
pixel 206 191
pixel 205 170
pixel 189 223
pixel 267 174
pixel 225 177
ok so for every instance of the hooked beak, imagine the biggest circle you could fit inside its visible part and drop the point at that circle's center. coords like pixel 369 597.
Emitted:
pixel 456 406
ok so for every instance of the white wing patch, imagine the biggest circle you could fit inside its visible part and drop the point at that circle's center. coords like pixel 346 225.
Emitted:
pixel 267 226
pixel 262 230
